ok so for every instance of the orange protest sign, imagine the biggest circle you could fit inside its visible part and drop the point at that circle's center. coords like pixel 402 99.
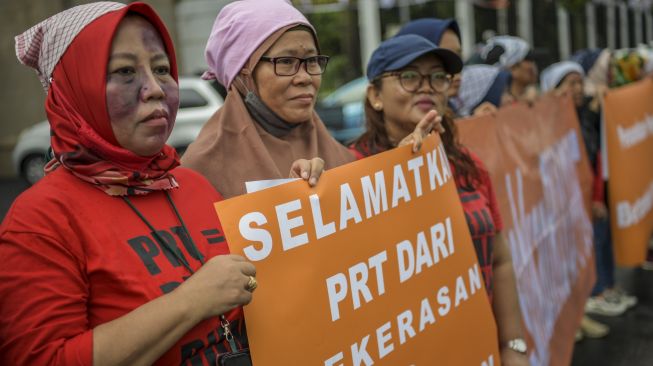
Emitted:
pixel 628 117
pixel 375 265
pixel 539 169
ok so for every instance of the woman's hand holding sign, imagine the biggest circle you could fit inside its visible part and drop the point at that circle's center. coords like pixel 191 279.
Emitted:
pixel 218 287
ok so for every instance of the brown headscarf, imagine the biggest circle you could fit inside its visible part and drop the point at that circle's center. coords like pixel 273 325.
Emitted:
pixel 234 148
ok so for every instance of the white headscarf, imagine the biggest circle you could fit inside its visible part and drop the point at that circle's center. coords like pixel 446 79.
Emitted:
pixel 515 48
pixel 553 75
pixel 476 81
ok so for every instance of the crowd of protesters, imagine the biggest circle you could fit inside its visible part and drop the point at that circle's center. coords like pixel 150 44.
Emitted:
pixel 503 71
pixel 78 285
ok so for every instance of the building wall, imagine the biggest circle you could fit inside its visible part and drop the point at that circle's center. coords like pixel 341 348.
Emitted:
pixel 195 19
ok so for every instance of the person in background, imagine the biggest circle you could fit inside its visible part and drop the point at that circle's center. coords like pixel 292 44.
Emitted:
pixel 116 257
pixel 566 78
pixel 444 33
pixel 475 58
pixel 486 87
pixel 598 67
pixel 515 55
pixel 267 55
pixel 648 263
pixel 483 90
pixel 407 75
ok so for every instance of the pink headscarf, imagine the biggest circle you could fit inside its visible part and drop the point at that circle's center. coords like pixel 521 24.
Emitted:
pixel 233 147
pixel 240 29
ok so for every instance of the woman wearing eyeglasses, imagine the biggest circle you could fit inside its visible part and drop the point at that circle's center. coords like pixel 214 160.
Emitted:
pixel 409 79
pixel 266 54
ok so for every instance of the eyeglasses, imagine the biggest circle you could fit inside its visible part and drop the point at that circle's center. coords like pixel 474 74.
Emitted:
pixel 411 80
pixel 289 66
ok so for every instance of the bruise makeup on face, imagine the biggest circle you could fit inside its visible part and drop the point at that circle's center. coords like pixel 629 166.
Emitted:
pixel 153 44
pixel 138 83
pixel 131 78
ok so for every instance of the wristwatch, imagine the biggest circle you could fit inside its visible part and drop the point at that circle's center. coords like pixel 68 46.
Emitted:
pixel 517 345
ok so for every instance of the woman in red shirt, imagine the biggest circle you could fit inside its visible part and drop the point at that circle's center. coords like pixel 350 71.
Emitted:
pixel 409 78
pixel 117 256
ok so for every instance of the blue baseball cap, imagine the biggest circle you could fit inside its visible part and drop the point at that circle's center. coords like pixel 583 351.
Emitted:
pixel 398 52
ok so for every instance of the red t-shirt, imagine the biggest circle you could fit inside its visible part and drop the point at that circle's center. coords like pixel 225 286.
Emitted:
pixel 482 215
pixel 481 211
pixel 74 257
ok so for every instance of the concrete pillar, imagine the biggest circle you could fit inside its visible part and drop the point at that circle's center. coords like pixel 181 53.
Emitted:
pixel 611 26
pixel 369 27
pixel 564 44
pixel 623 25
pixel 194 22
pixel 404 11
pixel 465 18
pixel 590 25
pixel 502 21
pixel 639 37
pixel 525 20
pixel 649 25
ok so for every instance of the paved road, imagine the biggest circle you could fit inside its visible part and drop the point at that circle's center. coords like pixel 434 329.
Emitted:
pixel 630 342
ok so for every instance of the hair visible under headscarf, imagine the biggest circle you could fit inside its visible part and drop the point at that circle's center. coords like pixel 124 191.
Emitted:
pixel 505 51
pixel 82 137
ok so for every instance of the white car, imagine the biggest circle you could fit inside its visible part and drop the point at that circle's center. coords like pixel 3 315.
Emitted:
pixel 198 100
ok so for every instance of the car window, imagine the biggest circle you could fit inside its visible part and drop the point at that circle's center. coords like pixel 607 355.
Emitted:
pixel 353 91
pixel 189 98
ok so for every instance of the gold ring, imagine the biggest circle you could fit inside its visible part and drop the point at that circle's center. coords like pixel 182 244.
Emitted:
pixel 252 284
